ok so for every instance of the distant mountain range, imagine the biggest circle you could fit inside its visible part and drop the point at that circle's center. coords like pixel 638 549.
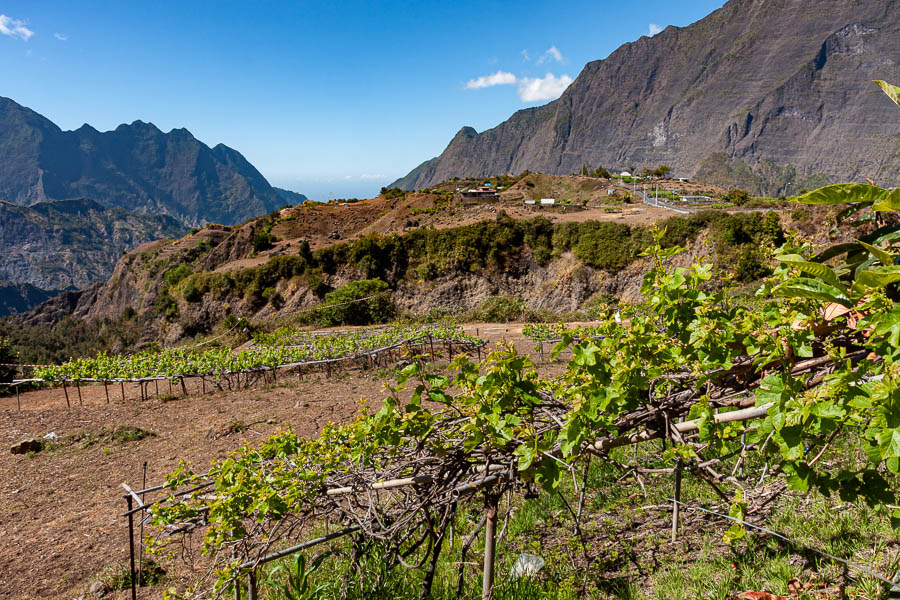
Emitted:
pixel 69 244
pixel 769 95
pixel 136 167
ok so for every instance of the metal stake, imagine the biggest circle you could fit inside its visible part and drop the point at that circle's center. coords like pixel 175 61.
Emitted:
pixel 490 533
pixel 131 546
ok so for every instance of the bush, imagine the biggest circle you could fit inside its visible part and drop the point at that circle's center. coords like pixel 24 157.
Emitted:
pixel 7 355
pixel 174 276
pixel 750 266
pixel 263 240
pixel 349 308
pixel 498 309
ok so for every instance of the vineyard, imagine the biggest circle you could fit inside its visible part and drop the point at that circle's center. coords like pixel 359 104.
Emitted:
pixel 284 349
pixel 796 388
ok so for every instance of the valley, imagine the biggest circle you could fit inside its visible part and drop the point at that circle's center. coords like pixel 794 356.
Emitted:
pixel 640 340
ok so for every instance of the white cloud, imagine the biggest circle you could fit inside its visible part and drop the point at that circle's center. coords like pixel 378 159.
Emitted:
pixel 525 55
pixel 498 78
pixel 14 28
pixel 372 176
pixel 654 29
pixel 552 54
pixel 61 36
pixel 548 87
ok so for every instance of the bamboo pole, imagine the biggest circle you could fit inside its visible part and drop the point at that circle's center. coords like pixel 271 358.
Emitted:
pixel 676 505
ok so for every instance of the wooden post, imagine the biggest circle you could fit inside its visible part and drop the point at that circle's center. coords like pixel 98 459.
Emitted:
pixel 122 385
pixel 66 390
pixel 78 387
pixel 170 385
pixel 203 384
pixel 183 389
pixel 156 383
pixel 18 403
pixel 106 389
pixel 251 586
pixel 676 506
pixel 490 533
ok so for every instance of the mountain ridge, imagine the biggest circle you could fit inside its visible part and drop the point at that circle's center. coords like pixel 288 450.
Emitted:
pixel 135 166
pixel 732 84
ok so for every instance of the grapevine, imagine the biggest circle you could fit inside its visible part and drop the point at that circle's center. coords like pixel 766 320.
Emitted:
pixel 282 349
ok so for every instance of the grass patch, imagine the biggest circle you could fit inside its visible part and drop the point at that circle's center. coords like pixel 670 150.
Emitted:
pixel 123 434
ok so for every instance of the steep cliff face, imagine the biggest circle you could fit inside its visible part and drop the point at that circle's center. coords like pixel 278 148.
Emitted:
pixel 71 243
pixel 136 167
pixel 775 91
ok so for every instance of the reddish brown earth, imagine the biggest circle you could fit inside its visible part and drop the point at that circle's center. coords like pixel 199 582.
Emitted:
pixel 60 509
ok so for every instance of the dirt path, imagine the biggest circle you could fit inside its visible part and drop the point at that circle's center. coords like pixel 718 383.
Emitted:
pixel 59 509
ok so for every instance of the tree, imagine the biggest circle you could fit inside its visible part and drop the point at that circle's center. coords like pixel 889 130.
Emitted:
pixel 7 355
pixel 358 303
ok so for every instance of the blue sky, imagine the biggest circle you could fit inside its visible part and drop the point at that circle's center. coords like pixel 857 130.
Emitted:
pixel 325 98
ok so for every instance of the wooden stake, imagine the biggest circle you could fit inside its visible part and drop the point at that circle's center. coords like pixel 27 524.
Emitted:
pixel 18 403
pixel 251 586
pixel 66 390
pixel 676 506
pixel 156 384
pixel 106 389
pixel 122 384
pixel 78 387
pixel 183 389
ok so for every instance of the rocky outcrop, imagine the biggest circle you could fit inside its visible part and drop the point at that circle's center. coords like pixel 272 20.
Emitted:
pixel 71 243
pixel 136 167
pixel 770 94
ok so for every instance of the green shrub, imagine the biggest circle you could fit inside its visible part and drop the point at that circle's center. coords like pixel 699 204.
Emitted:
pixel 191 293
pixel 498 309
pixel 174 276
pixel 263 240
pixel 7 356
pixel 750 265
pixel 349 308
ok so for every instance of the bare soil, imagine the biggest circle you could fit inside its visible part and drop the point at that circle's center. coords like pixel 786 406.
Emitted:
pixel 60 509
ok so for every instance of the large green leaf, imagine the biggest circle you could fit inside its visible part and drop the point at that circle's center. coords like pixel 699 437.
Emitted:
pixel 817 270
pixel 885 257
pixel 891 202
pixel 835 250
pixel 805 287
pixel 845 193
pixel 892 91
pixel 875 278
